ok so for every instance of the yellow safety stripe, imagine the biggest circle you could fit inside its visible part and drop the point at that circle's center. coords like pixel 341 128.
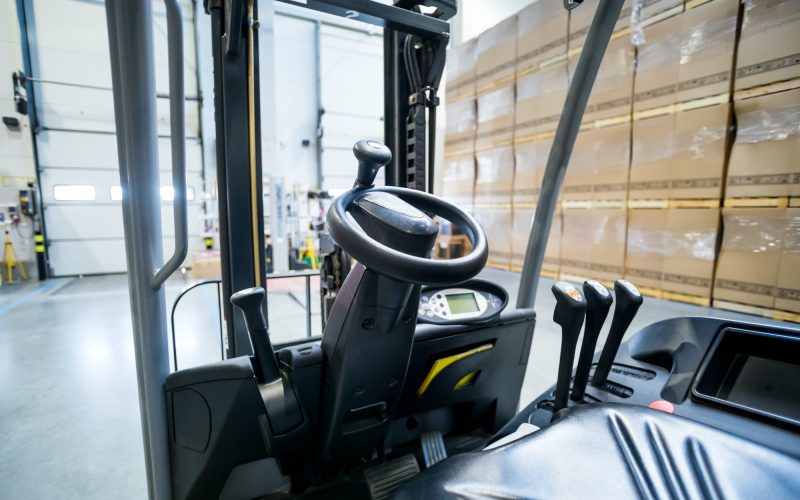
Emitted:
pixel 440 364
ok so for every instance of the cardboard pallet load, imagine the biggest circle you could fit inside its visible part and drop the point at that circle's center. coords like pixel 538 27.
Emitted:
pixel 598 168
pixel 593 243
pixel 520 231
pixel 769 46
pixel 765 158
pixel 611 93
pixel 541 35
pixel 496 223
pixel 759 262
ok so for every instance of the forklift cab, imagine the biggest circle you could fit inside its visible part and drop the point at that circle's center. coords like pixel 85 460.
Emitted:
pixel 413 390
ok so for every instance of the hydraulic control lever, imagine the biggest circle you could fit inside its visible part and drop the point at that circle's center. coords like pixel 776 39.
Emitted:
pixel 598 303
pixel 569 313
pixel 628 301
pixel 371 156
pixel 250 301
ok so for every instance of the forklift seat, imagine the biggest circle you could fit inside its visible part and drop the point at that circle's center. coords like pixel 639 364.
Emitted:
pixel 614 451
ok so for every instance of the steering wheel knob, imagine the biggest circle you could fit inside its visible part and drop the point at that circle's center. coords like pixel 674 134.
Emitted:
pixel 371 156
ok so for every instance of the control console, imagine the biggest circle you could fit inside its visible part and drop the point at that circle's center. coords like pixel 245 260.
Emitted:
pixel 474 301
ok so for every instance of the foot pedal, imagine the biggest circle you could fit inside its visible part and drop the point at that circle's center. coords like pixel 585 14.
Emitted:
pixel 433 449
pixel 383 479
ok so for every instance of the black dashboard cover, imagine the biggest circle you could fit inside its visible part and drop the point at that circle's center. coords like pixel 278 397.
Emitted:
pixel 615 451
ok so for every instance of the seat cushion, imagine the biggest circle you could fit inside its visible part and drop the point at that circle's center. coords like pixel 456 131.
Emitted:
pixel 615 451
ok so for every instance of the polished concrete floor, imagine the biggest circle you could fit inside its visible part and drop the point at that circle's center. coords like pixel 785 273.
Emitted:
pixel 69 414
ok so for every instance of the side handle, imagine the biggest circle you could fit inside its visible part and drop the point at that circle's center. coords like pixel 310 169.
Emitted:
pixel 177 125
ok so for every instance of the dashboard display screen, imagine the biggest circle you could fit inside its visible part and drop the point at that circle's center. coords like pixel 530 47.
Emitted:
pixel 461 303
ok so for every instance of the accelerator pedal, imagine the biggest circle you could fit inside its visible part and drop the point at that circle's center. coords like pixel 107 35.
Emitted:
pixel 433 449
pixel 383 479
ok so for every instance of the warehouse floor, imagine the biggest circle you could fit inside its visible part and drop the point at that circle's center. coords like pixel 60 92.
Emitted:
pixel 69 416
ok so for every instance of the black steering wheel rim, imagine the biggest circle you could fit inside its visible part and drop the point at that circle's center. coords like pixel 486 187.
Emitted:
pixel 401 266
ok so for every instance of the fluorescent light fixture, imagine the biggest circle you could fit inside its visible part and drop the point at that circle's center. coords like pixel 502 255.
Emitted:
pixel 74 192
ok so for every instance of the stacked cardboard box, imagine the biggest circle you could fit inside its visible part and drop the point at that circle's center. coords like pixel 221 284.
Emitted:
pixel 759 262
pixel 520 231
pixel 769 46
pixel 610 99
pixel 581 19
pixel 598 168
pixel 671 252
pixel 765 159
pixel 494 152
pixel 458 175
pixel 593 243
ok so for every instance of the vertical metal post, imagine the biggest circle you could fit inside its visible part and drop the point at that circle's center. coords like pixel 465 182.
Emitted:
pixel 220 309
pixel 568 125
pixel 130 26
pixel 308 305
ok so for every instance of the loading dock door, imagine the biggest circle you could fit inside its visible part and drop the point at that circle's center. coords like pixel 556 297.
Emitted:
pixel 78 165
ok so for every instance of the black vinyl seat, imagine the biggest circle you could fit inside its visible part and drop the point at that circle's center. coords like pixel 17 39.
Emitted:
pixel 615 451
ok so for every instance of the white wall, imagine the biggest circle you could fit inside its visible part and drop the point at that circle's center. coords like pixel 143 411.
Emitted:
pixel 476 16
pixel 16 152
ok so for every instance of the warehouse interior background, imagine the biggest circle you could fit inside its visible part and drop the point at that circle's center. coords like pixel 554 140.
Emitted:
pixel 685 180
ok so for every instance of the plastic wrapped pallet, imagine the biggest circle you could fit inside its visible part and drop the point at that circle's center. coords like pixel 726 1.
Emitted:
pixel 521 228
pixel 497 53
pixel 495 175
pixel 687 57
pixel 530 163
pixel 759 260
pixel 647 239
pixel 541 35
pixel 598 167
pixel 613 88
pixel 458 180
pixel 765 158
pixel 461 63
pixel 495 118
pixel 609 226
pixel 769 44
pixel 577 235
pixel 680 155
pixel 539 100
pixel 459 137
pixel 496 222
pixel 581 19
pixel 690 251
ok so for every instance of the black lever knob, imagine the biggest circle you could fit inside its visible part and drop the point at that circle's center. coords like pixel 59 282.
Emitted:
pixel 569 313
pixel 628 301
pixel 598 303
pixel 250 301
pixel 371 156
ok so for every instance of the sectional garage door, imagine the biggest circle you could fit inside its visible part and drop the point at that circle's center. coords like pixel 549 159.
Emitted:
pixel 77 146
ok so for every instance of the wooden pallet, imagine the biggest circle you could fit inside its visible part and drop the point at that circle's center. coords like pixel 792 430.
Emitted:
pixel 794 202
pixel 686 298
pixel 766 89
pixel 655 293
pixel 760 202
pixel 675 203
pixel 679 107
pixel 590 204
pixel 579 279
pixel 764 312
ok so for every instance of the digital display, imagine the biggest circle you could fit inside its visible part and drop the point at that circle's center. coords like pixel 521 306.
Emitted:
pixel 461 303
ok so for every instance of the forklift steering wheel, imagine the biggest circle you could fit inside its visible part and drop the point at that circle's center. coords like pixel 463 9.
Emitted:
pixel 402 266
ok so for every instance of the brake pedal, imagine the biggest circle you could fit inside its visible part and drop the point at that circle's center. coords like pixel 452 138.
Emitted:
pixel 433 449
pixel 383 479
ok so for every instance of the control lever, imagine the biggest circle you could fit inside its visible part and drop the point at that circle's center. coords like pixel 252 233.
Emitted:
pixel 628 301
pixel 250 301
pixel 569 313
pixel 371 155
pixel 598 303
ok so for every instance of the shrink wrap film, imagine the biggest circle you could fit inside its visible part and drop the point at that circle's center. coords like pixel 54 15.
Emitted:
pixel 539 100
pixel 496 222
pixel 765 158
pixel 759 261
pixel 769 46
pixel 687 57
pixel 461 63
pixel 461 117
pixel 458 180
pixel 541 35
pixel 497 53
pixel 495 176
pixel 495 118
pixel 613 88
pixel 521 228
pixel 598 167
pixel 593 243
